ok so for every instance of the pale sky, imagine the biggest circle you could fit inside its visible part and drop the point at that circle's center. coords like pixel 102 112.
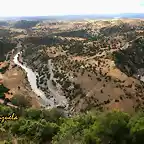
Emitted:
pixel 66 7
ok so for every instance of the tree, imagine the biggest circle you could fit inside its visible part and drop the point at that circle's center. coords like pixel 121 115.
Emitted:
pixel 53 115
pixel 136 125
pixel 100 128
pixel 37 131
pixel 6 101
pixel 25 140
pixel 111 127
pixel 5 110
pixel 34 114
pixel 21 101
pixel 2 96
pixel 72 129
pixel 3 89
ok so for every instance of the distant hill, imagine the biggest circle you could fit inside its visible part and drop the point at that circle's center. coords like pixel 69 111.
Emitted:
pixel 77 17
pixel 24 24
pixel 4 23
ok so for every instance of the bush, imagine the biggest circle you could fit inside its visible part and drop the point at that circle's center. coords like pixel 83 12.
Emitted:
pixel 3 89
pixel 3 70
pixel 94 129
pixel 5 110
pixel 33 114
pixel 2 96
pixel 21 101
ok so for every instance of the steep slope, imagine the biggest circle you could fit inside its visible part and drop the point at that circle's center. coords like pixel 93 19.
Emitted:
pixel 5 47
pixel 85 73
pixel 130 60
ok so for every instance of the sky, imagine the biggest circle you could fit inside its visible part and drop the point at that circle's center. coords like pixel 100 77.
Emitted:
pixel 68 7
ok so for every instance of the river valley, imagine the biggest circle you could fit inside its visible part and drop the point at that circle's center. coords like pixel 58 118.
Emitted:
pixel 54 99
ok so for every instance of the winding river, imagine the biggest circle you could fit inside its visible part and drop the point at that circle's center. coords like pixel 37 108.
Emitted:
pixel 32 80
pixel 48 102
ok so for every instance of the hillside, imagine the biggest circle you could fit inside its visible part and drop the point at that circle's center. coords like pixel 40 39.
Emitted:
pixel 86 72
pixel 3 23
pixel 130 60
pixel 25 24
pixel 5 47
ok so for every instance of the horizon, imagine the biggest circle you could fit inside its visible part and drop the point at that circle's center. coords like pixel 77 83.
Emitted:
pixel 102 14
pixel 30 8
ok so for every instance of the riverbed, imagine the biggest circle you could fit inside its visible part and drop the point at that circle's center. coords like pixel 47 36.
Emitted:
pixel 48 102
pixel 32 80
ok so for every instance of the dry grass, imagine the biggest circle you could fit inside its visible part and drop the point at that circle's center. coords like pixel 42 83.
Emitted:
pixel 15 80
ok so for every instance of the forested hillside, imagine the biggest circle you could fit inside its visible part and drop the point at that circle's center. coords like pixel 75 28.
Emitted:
pixel 131 59
pixel 50 126
pixel 5 47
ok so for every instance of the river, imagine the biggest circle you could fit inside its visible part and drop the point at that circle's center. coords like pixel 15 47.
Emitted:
pixel 32 80
pixel 48 102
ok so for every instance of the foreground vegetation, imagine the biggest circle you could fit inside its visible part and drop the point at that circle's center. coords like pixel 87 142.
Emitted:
pixel 2 91
pixel 51 126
